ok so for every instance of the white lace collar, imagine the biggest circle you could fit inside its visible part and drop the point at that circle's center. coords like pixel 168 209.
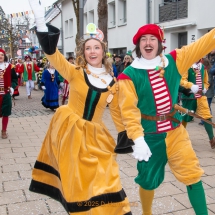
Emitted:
pixel 142 63
pixel 96 70
pixel 197 66
pixel 51 71
pixel 4 65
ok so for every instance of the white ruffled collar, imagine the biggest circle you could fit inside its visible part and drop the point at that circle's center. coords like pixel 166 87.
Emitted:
pixel 142 63
pixel 95 70
pixel 197 66
pixel 51 71
pixel 3 65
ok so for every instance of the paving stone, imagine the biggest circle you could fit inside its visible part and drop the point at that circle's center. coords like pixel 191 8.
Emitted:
pixel 3 210
pixel 9 176
pixel 16 167
pixel 16 185
pixel 166 189
pixel 209 180
pixel 212 208
pixel 166 205
pixel 55 206
pixel 34 208
pixel 130 171
pixel 26 174
pixel 12 197
pixel 25 160
pixel 25 149
pixel 31 196
pixel 12 155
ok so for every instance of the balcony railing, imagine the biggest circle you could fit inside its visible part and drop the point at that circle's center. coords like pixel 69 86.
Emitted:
pixel 173 10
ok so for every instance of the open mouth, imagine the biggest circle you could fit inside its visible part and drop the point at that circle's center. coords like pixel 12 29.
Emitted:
pixel 148 50
pixel 92 57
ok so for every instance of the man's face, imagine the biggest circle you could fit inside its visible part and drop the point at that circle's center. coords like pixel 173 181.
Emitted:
pixel 117 59
pixel 71 61
pixel 149 46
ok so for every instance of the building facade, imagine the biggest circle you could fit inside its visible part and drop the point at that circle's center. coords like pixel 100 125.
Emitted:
pixel 184 21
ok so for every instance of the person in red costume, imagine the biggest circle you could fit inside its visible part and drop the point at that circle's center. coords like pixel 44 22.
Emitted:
pixel 29 76
pixel 8 81
pixel 19 70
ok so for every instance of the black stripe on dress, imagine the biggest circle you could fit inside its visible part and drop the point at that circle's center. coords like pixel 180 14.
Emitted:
pixel 74 207
pixel 90 110
pixel 46 168
pixel 87 103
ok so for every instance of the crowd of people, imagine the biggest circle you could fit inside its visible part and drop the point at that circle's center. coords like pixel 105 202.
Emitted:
pixel 32 73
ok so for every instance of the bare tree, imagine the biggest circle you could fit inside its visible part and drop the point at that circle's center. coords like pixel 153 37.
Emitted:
pixel 103 17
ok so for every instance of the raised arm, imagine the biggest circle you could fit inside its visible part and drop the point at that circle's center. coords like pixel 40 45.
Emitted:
pixel 48 38
pixel 190 54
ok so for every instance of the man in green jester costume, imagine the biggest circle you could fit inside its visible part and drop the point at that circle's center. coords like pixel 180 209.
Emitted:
pixel 148 90
pixel 197 79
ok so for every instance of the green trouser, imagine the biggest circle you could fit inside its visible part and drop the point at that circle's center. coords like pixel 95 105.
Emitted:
pixel 209 130
pixel 196 195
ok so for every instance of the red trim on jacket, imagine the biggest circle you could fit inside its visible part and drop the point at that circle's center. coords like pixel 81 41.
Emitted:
pixel 123 76
pixel 174 54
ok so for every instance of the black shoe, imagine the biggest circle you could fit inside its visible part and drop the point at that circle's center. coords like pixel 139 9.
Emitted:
pixel 201 123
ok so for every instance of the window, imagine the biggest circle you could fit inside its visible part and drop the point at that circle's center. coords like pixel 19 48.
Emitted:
pixel 70 27
pixel 91 16
pixel 66 28
pixel 182 39
pixel 122 15
pixel 111 14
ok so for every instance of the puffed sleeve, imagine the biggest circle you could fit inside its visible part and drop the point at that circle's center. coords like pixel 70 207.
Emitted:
pixel 131 115
pixel 123 142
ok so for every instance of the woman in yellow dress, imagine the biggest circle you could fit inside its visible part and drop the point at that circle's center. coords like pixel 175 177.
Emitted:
pixel 77 164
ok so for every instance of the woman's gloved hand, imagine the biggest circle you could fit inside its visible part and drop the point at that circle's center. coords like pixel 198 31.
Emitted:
pixel 39 14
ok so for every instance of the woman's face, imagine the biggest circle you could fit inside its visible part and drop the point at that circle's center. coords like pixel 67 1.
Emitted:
pixel 127 59
pixel 93 53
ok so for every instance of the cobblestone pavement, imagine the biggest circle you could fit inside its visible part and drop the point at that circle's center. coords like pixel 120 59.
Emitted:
pixel 29 107
pixel 27 129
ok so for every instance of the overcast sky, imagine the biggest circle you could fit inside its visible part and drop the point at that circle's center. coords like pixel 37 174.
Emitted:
pixel 15 6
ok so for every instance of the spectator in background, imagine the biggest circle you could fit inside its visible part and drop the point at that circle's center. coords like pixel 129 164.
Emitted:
pixel 29 74
pixel 49 84
pixel 126 62
pixel 19 71
pixel 118 62
pixel 210 91
pixel 13 68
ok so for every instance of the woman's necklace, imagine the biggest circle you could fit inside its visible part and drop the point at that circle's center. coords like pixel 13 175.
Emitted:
pixel 2 72
pixel 110 96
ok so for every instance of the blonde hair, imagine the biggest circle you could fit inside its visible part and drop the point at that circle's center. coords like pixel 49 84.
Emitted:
pixel 128 56
pixel 80 60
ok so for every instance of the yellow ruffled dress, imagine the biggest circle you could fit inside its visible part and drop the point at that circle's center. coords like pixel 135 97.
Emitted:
pixel 77 164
